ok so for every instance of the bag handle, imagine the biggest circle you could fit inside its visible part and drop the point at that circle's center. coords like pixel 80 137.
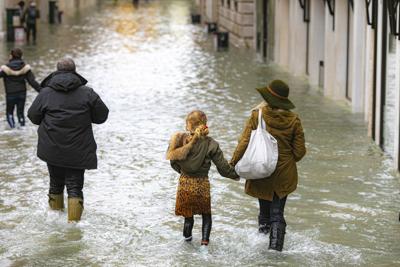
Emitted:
pixel 260 120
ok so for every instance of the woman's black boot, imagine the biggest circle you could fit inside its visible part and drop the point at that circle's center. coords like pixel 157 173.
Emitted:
pixel 263 225
pixel 187 228
pixel 277 236
pixel 206 229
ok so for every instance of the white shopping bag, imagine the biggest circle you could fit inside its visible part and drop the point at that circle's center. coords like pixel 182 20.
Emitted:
pixel 261 156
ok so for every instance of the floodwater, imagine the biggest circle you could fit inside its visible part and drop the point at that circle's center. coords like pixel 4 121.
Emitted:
pixel 151 67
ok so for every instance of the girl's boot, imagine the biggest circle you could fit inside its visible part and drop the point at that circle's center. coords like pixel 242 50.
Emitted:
pixel 277 236
pixel 206 229
pixel 75 209
pixel 263 225
pixel 187 228
pixel 56 201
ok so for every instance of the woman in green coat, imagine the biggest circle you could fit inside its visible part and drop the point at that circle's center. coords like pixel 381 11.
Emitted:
pixel 272 191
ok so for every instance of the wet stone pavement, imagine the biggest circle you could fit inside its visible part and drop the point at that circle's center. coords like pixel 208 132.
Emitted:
pixel 151 67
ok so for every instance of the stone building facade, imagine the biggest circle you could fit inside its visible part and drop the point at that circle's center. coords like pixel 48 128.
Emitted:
pixel 235 16
pixel 348 49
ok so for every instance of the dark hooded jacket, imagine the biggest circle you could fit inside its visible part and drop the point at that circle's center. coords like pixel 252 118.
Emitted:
pixel 16 73
pixel 31 15
pixel 65 110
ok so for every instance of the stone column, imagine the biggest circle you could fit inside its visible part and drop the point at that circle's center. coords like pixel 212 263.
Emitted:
pixel 330 58
pixel 358 56
pixel 317 40
pixel 397 122
pixel 211 10
pixel 379 76
pixel 43 6
pixel 340 49
pixel 297 39
pixel 2 19
pixel 369 77
pixel 282 32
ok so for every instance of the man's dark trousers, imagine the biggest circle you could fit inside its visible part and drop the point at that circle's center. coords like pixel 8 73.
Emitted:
pixel 61 177
pixel 31 28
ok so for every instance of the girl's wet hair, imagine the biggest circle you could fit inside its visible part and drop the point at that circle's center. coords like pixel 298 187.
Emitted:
pixel 196 119
pixel 16 53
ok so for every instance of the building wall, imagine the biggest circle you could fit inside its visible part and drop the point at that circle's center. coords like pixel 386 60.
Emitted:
pixel 237 17
pixel 350 49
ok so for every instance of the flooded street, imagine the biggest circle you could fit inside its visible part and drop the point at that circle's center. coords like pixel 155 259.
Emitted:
pixel 151 67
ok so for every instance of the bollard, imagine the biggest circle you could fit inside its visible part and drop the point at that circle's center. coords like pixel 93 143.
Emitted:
pixel 196 18
pixel 212 27
pixel 222 40
pixel 52 12
pixel 12 18
pixel 321 74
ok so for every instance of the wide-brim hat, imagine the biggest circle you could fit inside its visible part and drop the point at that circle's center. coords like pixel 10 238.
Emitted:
pixel 277 95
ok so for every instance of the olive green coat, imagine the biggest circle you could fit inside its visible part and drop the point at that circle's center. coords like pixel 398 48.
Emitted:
pixel 193 156
pixel 286 127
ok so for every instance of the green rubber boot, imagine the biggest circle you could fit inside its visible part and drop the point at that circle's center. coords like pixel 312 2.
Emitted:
pixel 56 201
pixel 75 209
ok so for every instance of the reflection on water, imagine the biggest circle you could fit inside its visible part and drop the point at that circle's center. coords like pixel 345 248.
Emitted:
pixel 152 67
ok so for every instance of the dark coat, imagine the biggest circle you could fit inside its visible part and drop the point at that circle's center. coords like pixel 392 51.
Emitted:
pixel 65 110
pixel 15 74
pixel 286 127
pixel 30 16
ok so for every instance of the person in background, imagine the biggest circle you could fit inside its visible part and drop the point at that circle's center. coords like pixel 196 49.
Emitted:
pixel 272 192
pixel 15 75
pixel 21 6
pixel 31 16
pixel 65 110
pixel 190 154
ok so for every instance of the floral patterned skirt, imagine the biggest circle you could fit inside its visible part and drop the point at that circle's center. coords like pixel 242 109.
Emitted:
pixel 193 196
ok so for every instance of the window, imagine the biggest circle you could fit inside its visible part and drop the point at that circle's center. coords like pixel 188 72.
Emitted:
pixel 229 4
pixel 222 2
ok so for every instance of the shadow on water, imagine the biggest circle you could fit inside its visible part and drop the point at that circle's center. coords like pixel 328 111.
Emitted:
pixel 152 67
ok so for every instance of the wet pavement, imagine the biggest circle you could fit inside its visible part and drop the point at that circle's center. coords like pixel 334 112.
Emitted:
pixel 151 67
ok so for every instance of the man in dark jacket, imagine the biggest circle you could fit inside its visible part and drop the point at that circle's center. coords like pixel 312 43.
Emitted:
pixel 65 110
pixel 31 15
pixel 15 74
